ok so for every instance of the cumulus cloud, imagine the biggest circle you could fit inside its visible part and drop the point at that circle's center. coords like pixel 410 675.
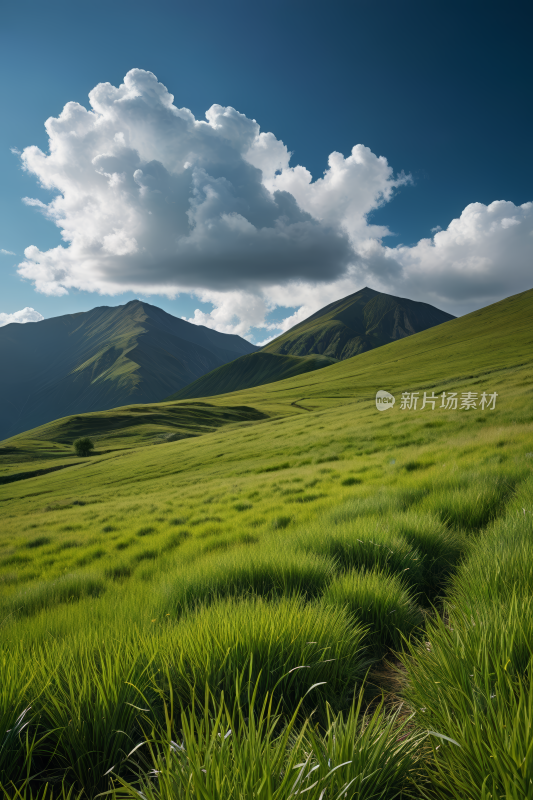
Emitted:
pixel 484 255
pixel 24 315
pixel 151 200
pixel 7 253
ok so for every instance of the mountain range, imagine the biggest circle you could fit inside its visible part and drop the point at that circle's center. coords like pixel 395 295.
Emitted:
pixel 137 353
pixel 360 322
pixel 99 359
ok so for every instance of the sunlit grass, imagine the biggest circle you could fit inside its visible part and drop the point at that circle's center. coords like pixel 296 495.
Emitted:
pixel 273 555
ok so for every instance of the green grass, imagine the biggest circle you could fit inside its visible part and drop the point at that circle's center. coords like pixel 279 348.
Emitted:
pixel 382 602
pixel 224 753
pixel 255 369
pixel 271 549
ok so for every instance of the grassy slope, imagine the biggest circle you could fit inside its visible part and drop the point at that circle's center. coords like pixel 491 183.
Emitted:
pixel 471 348
pixel 288 503
pixel 329 415
pixel 49 447
pixel 252 370
pixel 357 323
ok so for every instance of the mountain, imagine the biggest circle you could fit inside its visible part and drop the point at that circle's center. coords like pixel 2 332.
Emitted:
pixel 251 370
pixel 487 350
pixel 360 322
pixel 100 359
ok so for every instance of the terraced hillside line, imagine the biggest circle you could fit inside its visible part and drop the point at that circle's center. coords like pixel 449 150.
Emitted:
pixel 22 476
pixel 297 405
pixel 119 430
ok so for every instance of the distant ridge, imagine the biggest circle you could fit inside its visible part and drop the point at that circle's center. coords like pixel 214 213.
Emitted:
pixel 357 323
pixel 100 359
pixel 246 372
pixel 362 321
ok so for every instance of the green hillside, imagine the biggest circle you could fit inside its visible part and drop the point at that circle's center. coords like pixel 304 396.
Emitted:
pixel 358 323
pixel 470 348
pixel 101 359
pixel 355 324
pixel 306 581
pixel 49 447
pixel 458 352
pixel 246 372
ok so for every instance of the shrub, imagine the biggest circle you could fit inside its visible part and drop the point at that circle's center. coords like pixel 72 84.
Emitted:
pixel 83 446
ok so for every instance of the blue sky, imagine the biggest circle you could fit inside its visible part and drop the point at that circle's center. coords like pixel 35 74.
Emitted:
pixel 441 91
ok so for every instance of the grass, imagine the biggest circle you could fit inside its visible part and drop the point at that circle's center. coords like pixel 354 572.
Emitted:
pixel 224 754
pixel 382 602
pixel 296 544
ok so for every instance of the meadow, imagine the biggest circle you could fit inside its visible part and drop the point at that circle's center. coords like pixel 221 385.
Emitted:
pixel 282 591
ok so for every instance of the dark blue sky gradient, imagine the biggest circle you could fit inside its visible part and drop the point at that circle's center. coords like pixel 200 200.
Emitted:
pixel 443 90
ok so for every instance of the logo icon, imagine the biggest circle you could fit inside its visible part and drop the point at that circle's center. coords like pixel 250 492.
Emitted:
pixel 384 400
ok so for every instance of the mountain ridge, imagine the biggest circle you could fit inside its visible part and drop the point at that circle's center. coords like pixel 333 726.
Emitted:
pixel 100 359
pixel 357 323
pixel 251 370
pixel 353 325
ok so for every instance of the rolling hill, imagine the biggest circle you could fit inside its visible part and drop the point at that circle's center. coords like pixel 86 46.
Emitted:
pixel 362 321
pixel 255 369
pixel 101 359
pixel 357 323
pixel 461 353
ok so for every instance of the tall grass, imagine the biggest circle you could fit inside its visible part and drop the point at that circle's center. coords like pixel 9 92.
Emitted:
pixel 474 498
pixel 89 707
pixel 471 682
pixel 265 572
pixel 501 563
pixel 45 595
pixel 472 690
pixel 226 753
pixel 306 643
pixel 381 602
pixel 363 544
pixel 17 694
pixel 91 693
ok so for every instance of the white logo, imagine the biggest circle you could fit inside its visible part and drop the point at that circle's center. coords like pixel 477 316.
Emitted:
pixel 384 400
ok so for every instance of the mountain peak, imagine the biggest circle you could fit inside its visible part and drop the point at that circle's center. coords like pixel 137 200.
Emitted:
pixel 362 321
pixel 103 358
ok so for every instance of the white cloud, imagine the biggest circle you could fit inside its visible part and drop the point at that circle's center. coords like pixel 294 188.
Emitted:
pixel 481 257
pixel 151 200
pixel 25 315
pixel 154 201
pixel 7 253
